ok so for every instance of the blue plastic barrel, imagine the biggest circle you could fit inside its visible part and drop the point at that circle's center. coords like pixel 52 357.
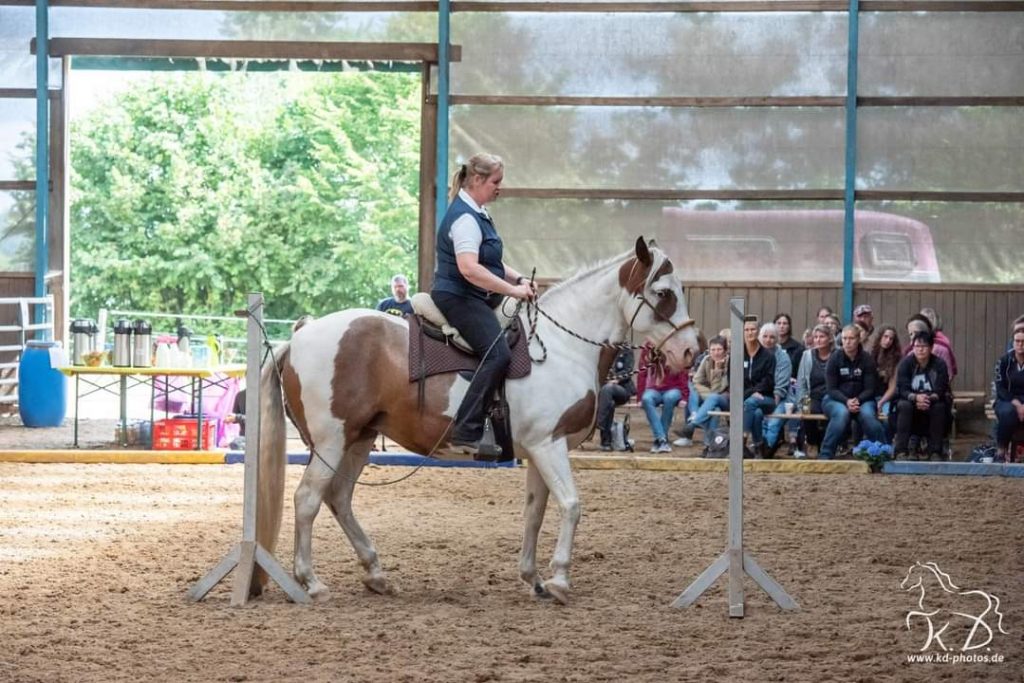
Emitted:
pixel 42 388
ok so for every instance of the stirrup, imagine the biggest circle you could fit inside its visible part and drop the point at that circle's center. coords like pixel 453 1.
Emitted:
pixel 488 448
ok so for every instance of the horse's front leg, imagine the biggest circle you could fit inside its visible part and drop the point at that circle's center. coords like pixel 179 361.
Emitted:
pixel 551 459
pixel 533 518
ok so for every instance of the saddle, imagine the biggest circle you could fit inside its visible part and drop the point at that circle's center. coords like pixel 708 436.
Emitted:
pixel 435 347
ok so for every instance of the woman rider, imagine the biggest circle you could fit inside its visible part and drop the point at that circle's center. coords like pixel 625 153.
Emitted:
pixel 471 280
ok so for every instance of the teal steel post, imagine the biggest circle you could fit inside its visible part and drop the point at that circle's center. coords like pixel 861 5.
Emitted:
pixel 851 160
pixel 42 148
pixel 443 42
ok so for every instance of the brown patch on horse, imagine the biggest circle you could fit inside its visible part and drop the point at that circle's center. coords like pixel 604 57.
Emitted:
pixel 578 417
pixel 292 386
pixel 371 391
pixel 633 275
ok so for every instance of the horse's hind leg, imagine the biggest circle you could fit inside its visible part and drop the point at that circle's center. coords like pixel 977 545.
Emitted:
pixel 533 515
pixel 352 463
pixel 316 482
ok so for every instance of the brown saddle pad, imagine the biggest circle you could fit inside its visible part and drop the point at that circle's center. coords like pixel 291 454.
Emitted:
pixel 429 356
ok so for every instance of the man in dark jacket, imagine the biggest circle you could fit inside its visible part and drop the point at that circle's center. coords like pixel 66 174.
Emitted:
pixel 922 386
pixel 850 380
pixel 616 391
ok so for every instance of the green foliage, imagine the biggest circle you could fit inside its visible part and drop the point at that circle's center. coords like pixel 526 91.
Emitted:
pixel 193 191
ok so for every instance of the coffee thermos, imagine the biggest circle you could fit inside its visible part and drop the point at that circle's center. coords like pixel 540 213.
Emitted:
pixel 142 356
pixel 82 332
pixel 122 344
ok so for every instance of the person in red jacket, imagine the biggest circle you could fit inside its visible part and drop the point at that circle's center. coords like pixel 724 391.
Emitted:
pixel 656 388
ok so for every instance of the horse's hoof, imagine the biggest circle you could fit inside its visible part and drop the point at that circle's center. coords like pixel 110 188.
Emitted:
pixel 379 585
pixel 540 592
pixel 558 591
pixel 318 592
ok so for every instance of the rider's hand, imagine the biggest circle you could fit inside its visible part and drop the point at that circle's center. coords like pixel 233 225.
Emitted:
pixel 524 291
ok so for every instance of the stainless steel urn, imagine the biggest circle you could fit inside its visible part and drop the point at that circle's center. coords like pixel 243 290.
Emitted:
pixel 82 338
pixel 122 344
pixel 142 357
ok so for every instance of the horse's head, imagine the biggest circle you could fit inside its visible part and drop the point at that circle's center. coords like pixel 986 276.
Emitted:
pixel 654 306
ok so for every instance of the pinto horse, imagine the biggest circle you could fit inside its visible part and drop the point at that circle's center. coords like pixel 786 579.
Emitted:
pixel 345 379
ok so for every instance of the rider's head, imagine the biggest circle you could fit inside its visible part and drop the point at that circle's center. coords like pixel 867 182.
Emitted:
pixel 480 175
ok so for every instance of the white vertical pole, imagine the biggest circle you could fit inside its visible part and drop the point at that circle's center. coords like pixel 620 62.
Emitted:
pixel 736 313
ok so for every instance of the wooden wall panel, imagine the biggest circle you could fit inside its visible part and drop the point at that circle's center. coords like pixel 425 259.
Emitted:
pixel 977 319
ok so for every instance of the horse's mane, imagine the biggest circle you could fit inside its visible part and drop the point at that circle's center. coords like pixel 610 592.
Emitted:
pixel 590 270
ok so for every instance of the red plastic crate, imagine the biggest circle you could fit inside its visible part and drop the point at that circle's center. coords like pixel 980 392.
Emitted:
pixel 179 434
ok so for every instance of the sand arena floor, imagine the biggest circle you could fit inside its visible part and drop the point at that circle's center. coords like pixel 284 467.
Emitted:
pixel 95 561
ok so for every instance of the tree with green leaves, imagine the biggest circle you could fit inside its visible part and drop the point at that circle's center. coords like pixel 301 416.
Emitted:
pixel 192 191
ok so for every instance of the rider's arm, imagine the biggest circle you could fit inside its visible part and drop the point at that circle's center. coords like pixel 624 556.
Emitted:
pixel 469 266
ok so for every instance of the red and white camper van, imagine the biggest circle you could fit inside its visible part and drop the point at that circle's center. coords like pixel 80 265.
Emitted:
pixel 796 245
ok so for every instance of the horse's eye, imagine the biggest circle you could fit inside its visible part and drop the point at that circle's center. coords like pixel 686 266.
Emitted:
pixel 661 293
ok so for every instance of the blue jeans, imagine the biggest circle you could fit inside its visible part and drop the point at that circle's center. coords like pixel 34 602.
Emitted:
pixel 773 427
pixel 753 416
pixel 653 398
pixel 839 421
pixel 700 417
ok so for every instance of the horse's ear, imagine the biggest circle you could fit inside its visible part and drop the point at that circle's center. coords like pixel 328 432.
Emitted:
pixel 643 255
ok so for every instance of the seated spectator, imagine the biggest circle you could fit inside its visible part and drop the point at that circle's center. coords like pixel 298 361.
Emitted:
pixel 850 381
pixel 823 313
pixel 711 385
pixel 864 316
pixel 919 323
pixel 1009 403
pixel 808 342
pixel 836 324
pixel 616 391
pixel 884 348
pixel 656 387
pixel 758 386
pixel 773 428
pixel 810 385
pixel 941 340
pixel 784 324
pixel 925 404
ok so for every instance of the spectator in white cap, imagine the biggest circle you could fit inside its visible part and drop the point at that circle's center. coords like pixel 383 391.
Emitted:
pixel 865 317
pixel 398 303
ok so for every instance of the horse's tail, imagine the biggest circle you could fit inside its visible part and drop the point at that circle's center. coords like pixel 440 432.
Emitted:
pixel 272 452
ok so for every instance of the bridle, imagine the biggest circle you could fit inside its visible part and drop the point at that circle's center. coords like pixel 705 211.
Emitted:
pixel 655 357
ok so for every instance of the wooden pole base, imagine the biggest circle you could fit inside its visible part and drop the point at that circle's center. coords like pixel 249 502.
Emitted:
pixel 246 556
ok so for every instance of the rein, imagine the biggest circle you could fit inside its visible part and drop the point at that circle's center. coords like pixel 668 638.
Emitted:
pixel 655 357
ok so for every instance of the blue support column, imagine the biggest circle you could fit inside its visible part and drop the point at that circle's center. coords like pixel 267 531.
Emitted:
pixel 851 160
pixel 42 148
pixel 443 42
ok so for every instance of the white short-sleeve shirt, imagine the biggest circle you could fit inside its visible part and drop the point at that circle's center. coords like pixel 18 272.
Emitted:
pixel 465 232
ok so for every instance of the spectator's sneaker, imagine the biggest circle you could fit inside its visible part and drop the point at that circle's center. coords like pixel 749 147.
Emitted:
pixel 682 442
pixel 914 445
pixel 792 450
pixel 902 455
pixel 663 447
pixel 686 431
pixel 606 447
pixel 656 446
pixel 799 454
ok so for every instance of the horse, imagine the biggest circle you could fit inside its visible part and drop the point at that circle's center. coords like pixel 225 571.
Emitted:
pixel 345 379
pixel 918 576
